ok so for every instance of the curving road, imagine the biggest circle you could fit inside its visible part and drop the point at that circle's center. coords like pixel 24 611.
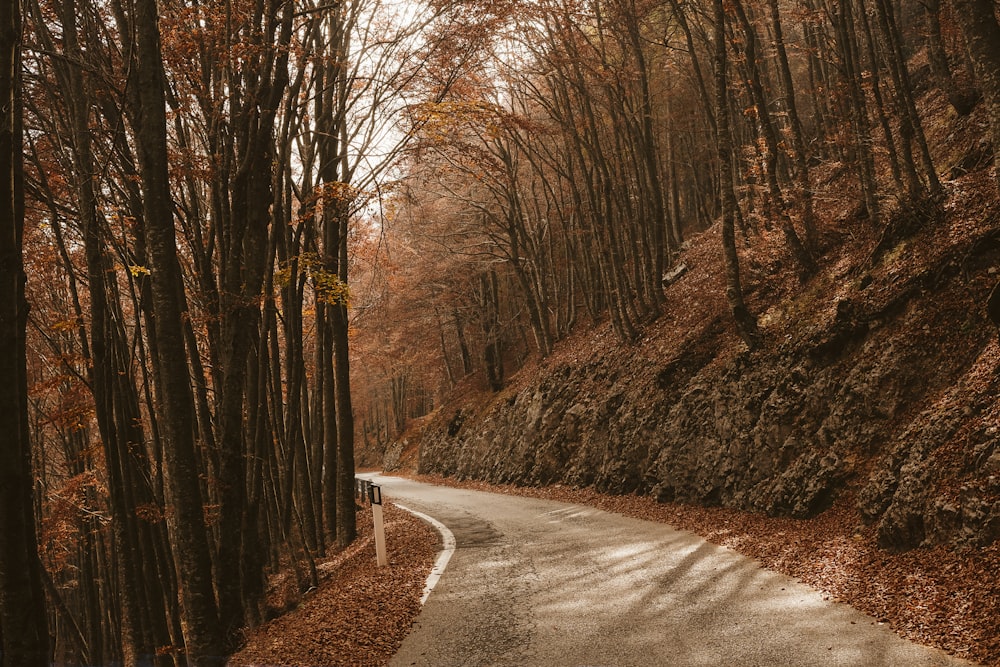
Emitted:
pixel 535 582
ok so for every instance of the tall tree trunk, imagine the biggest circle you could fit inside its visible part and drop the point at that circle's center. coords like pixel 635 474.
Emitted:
pixel 875 68
pixel 259 427
pixel 703 91
pixel 242 278
pixel 746 322
pixel 844 23
pixel 982 37
pixel 327 396
pixel 770 136
pixel 653 185
pixel 675 230
pixel 463 345
pixel 962 98
pixel 801 160
pixel 336 196
pixel 910 127
pixel 185 516
pixel 346 522
pixel 143 626
pixel 23 619
pixel 449 374
pixel 492 345
pixel 819 71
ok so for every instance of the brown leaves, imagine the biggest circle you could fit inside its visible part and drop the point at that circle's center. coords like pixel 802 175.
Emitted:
pixel 360 613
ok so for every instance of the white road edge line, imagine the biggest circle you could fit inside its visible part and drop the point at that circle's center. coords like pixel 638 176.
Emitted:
pixel 442 560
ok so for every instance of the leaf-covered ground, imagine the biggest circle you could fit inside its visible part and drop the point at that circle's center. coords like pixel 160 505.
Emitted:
pixel 360 612
pixel 938 597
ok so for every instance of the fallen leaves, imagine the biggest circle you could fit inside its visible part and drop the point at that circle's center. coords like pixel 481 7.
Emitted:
pixel 360 613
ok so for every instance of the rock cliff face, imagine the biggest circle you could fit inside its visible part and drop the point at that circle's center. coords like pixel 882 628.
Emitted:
pixel 878 379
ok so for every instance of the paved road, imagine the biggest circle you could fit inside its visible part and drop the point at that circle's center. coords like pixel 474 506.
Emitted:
pixel 535 582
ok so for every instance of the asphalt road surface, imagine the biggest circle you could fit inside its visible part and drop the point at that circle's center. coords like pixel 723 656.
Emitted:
pixel 534 582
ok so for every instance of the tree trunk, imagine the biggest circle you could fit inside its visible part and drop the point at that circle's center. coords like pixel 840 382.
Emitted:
pixel 770 136
pixel 346 523
pixel 327 394
pixel 703 91
pixel 982 37
pixel 116 401
pixel 801 160
pixel 463 345
pixel 493 348
pixel 185 517
pixel 25 635
pixel 880 113
pixel 910 127
pixel 962 98
pixel 844 23
pixel 746 322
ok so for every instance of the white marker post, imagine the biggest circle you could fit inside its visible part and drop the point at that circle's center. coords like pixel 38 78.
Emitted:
pixel 375 496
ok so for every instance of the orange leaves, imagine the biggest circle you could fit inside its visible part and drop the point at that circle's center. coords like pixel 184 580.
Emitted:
pixel 337 193
pixel 78 506
pixel 150 513
pixel 440 122
pixel 65 325
pixel 191 163
pixel 360 613
pixel 66 401
pixel 328 288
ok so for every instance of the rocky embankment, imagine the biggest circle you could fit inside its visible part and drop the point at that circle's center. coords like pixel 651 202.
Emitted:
pixel 877 376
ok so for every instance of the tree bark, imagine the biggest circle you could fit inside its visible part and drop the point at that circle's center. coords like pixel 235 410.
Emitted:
pixel 962 98
pixel 492 345
pixel 185 517
pixel 874 69
pixel 25 636
pixel 346 522
pixel 769 134
pixel 746 322
pixel 979 24
pixel 801 160
pixel 910 127
pixel 143 625
pixel 463 345
pixel 844 25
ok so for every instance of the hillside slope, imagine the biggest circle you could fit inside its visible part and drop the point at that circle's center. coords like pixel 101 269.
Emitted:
pixel 877 376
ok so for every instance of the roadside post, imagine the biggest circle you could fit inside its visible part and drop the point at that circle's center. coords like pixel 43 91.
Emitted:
pixel 372 493
pixel 375 496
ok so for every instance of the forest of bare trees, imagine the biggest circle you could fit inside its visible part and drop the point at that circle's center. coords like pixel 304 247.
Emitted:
pixel 213 209
pixel 558 180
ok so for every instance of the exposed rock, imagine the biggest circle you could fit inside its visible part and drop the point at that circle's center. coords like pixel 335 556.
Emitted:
pixel 674 274
pixel 390 461
pixel 889 390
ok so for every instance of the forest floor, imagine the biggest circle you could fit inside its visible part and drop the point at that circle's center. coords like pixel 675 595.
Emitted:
pixel 360 613
pixel 937 597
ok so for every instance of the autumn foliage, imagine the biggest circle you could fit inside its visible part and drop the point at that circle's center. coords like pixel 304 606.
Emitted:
pixel 255 232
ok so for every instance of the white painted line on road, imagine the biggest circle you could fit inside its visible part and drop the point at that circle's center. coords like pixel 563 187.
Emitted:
pixel 442 560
